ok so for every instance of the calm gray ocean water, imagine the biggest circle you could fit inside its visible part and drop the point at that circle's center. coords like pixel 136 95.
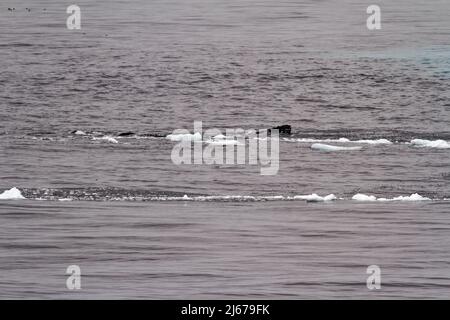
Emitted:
pixel 149 67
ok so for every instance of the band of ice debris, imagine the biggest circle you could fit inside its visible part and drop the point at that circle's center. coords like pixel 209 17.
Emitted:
pixel 16 194
pixel 317 143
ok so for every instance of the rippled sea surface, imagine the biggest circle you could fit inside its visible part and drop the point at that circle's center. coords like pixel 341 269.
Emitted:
pixel 109 198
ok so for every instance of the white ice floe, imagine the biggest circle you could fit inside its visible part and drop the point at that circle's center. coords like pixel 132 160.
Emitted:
pixel 106 138
pixel 315 198
pixel 313 140
pixel 412 197
pixel 185 137
pixel 341 140
pixel 377 141
pixel 273 198
pixel 80 133
pixel 224 142
pixel 11 194
pixel 311 197
pixel 221 139
pixel 439 144
pixel 330 148
pixel 363 197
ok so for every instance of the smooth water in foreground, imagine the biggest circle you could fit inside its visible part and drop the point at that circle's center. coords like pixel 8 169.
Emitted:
pixel 197 250
pixel 84 117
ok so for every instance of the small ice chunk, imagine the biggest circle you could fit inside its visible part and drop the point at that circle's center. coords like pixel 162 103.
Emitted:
pixel 315 197
pixel 185 137
pixel 413 197
pixel 223 142
pixel 330 148
pixel 439 144
pixel 11 194
pixel 107 138
pixel 378 141
pixel 363 197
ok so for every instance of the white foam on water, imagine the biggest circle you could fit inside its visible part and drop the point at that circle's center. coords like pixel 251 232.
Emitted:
pixel 106 138
pixel 439 144
pixel 330 148
pixel 185 137
pixel 12 194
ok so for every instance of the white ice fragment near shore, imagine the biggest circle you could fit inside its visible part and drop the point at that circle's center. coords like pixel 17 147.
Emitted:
pixel 363 197
pixel 312 140
pixel 80 133
pixel 439 144
pixel 377 141
pixel 223 142
pixel 330 148
pixel 315 197
pixel 185 137
pixel 412 197
pixel 107 138
pixel 341 140
pixel 330 197
pixel 12 194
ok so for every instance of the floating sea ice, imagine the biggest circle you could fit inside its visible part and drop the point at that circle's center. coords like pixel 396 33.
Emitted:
pixel 185 137
pixel 439 144
pixel 343 140
pixel 413 197
pixel 223 142
pixel 330 148
pixel 311 140
pixel 378 141
pixel 11 194
pixel 363 197
pixel 329 197
pixel 273 198
pixel 315 197
pixel 80 133
pixel 107 138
